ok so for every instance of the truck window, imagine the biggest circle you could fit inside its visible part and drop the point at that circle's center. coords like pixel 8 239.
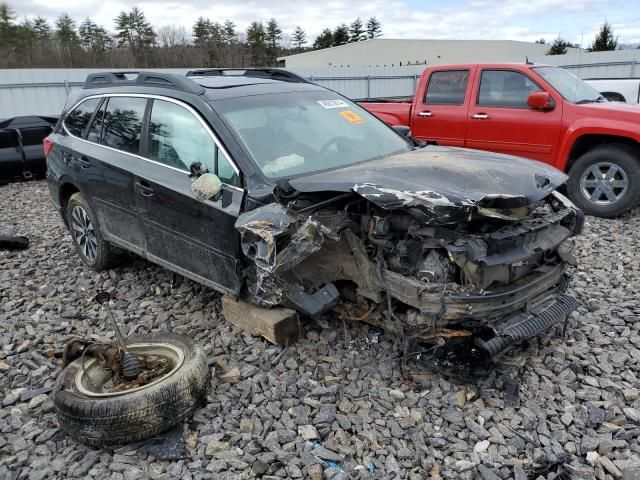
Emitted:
pixel 505 88
pixel 447 87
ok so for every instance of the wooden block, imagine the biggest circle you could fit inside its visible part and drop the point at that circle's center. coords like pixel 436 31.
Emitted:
pixel 278 325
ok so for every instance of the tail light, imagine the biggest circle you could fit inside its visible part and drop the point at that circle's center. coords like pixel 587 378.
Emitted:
pixel 47 143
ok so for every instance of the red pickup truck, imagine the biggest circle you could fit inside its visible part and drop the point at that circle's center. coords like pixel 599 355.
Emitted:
pixel 536 111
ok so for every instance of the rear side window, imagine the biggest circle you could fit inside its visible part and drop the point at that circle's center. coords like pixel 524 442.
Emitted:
pixel 34 136
pixel 505 88
pixel 78 119
pixel 447 87
pixel 95 130
pixel 123 123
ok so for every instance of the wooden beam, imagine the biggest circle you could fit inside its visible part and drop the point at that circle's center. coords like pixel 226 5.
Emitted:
pixel 278 325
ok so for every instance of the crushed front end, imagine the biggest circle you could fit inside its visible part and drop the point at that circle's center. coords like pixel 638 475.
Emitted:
pixel 419 264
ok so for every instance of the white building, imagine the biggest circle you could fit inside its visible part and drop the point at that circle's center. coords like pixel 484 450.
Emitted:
pixel 387 52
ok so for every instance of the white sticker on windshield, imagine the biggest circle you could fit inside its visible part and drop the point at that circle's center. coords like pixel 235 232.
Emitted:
pixel 333 103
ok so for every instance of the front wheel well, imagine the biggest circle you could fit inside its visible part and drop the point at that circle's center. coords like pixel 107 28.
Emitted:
pixel 587 143
pixel 66 190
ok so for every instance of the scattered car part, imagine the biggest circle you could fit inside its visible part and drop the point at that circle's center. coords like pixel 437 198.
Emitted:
pixel 21 151
pixel 91 409
pixel 129 363
pixel 13 242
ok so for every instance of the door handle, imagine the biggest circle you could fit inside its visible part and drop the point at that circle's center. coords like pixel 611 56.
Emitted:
pixel 426 113
pixel 480 116
pixel 84 162
pixel 145 189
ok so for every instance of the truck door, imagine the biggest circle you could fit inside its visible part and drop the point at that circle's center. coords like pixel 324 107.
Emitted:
pixel 440 107
pixel 501 121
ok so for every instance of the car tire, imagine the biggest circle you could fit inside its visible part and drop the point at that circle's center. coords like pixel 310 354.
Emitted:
pixel 605 181
pixel 133 416
pixel 94 250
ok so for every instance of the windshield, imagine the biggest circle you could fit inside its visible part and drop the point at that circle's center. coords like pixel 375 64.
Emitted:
pixel 295 133
pixel 569 86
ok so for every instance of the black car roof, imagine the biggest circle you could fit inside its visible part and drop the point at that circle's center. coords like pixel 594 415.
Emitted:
pixel 28 121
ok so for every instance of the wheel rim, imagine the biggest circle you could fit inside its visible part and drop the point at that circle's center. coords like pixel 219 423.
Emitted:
pixel 604 183
pixel 84 233
pixel 93 380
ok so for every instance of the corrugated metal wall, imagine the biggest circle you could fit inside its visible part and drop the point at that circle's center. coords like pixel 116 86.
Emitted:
pixel 44 91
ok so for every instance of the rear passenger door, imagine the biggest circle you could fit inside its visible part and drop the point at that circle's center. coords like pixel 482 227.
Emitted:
pixel 440 110
pixel 197 239
pixel 109 152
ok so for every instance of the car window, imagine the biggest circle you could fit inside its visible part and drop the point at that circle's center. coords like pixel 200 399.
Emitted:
pixel 34 136
pixel 505 88
pixel 77 120
pixel 95 129
pixel 225 170
pixel 123 123
pixel 447 87
pixel 178 139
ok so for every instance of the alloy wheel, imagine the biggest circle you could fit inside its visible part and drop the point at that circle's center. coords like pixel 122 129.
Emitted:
pixel 604 183
pixel 84 233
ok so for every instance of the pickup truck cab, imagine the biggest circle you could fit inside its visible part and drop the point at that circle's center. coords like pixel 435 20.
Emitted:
pixel 535 111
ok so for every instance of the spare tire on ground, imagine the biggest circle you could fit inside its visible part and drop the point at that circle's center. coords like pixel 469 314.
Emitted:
pixel 89 412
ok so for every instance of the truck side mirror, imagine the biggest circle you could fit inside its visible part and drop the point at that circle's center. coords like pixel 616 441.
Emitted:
pixel 540 101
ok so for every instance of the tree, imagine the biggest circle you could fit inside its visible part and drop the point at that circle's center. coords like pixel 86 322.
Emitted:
pixel 299 37
pixel 273 35
pixel 229 32
pixel 374 28
pixel 324 40
pixel 604 40
pixel 341 35
pixel 356 31
pixel 67 38
pixel 256 43
pixel 41 28
pixel 7 27
pixel 542 41
pixel 559 47
pixel 134 32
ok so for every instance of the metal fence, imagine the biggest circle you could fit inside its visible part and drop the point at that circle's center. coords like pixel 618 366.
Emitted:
pixel 44 91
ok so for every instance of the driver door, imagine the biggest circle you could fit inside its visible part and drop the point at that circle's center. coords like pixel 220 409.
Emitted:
pixel 194 238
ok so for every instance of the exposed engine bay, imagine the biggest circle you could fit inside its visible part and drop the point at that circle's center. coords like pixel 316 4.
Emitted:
pixel 420 264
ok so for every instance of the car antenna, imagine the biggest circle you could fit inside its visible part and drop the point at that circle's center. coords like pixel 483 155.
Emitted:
pixel 575 90
pixel 526 60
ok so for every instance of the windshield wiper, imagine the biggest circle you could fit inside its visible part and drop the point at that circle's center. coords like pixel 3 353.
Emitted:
pixel 591 100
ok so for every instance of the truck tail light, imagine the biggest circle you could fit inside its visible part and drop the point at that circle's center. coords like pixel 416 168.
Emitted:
pixel 47 143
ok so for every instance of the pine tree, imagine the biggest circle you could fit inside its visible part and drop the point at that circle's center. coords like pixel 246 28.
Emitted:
pixel 356 31
pixel 374 28
pixel 324 40
pixel 558 47
pixel 201 31
pixel 299 37
pixel 604 40
pixel 134 32
pixel 341 35
pixel 41 28
pixel 67 38
pixel 273 35
pixel 542 41
pixel 256 43
pixel 229 31
pixel 7 27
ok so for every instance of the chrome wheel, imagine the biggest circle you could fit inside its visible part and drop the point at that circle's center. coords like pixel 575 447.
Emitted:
pixel 604 183
pixel 84 233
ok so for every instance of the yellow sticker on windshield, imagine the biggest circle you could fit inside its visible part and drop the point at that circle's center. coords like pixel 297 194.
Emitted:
pixel 353 117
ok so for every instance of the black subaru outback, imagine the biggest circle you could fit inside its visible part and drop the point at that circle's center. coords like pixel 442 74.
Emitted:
pixel 280 192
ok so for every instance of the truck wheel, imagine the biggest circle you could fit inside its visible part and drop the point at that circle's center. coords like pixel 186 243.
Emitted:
pixel 605 182
pixel 93 249
pixel 90 413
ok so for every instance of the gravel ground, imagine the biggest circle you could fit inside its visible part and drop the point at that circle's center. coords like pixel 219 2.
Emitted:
pixel 323 409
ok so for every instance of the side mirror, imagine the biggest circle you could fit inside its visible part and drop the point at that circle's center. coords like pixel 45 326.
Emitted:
pixel 402 130
pixel 206 186
pixel 540 101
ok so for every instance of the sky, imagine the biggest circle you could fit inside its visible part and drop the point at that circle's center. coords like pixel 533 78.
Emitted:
pixel 575 20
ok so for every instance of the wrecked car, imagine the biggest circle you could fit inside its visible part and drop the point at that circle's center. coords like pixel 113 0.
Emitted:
pixel 280 192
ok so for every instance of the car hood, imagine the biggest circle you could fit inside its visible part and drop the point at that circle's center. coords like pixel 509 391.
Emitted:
pixel 442 184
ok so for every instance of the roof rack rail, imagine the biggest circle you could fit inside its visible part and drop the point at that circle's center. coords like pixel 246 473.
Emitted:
pixel 270 73
pixel 147 79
